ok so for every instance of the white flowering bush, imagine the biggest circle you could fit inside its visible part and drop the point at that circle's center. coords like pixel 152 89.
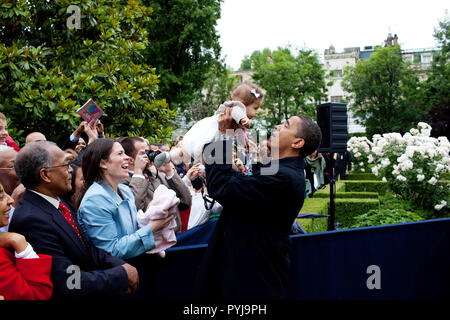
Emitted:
pixel 413 165
pixel 362 155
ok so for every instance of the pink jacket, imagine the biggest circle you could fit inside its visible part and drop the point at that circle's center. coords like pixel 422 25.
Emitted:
pixel 164 203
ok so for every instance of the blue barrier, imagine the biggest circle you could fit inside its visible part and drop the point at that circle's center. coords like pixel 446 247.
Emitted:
pixel 413 261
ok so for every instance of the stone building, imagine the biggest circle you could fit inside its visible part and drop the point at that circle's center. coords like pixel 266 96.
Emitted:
pixel 335 62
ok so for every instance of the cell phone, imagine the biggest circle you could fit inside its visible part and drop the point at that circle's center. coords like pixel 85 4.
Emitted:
pixel 201 168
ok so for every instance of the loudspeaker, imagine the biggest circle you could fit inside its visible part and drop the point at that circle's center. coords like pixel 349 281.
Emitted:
pixel 332 120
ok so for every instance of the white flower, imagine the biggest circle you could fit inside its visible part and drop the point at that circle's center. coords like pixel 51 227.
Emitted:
pixel 361 164
pixel 396 169
pixel 370 158
pixel 420 177
pixel 439 167
pixel 414 132
pixel 385 162
pixel 406 165
pixel 423 125
pixel 384 179
pixel 375 170
pixel 439 206
pixel 357 155
pixel 401 178
pixel 432 181
pixel 362 170
pixel 378 151
pixel 419 171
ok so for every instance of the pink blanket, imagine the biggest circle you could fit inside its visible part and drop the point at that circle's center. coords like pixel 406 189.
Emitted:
pixel 164 203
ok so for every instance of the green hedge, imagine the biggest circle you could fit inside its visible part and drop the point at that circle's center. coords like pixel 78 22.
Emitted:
pixel 348 209
pixel 345 210
pixel 366 186
pixel 362 176
pixel 314 205
pixel 339 187
pixel 357 195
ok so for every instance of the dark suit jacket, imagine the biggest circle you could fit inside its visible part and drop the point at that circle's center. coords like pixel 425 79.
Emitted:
pixel 46 229
pixel 248 254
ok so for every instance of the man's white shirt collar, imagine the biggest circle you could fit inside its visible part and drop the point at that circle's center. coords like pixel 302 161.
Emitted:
pixel 52 200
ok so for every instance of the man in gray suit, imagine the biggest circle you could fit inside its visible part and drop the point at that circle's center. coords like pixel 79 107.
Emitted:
pixel 143 182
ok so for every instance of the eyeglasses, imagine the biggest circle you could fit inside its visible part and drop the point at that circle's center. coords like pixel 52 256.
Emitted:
pixel 60 165
pixel 12 168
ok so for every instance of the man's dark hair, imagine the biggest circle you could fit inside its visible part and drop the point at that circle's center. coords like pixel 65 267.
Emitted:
pixel 30 160
pixel 311 133
pixel 128 145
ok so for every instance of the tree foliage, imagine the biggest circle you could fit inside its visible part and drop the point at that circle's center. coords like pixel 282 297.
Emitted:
pixel 184 46
pixel 47 71
pixel 216 90
pixel 385 92
pixel 294 83
pixel 437 85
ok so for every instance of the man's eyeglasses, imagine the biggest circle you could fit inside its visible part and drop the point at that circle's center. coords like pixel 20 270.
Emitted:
pixel 61 165
pixel 12 168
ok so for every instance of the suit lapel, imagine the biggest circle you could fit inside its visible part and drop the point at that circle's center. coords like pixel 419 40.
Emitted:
pixel 57 217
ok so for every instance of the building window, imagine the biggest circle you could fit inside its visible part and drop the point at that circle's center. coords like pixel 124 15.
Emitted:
pixel 408 58
pixel 336 98
pixel 426 58
pixel 337 73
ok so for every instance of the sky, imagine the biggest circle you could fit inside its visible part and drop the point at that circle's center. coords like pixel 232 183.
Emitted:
pixel 249 25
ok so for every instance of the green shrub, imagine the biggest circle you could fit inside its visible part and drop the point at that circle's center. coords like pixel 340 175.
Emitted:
pixel 362 176
pixel 357 195
pixel 315 205
pixel 347 209
pixel 366 186
pixel 338 187
pixel 384 216
pixel 391 201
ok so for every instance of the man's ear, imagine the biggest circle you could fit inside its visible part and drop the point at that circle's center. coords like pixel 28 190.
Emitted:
pixel 43 173
pixel 298 143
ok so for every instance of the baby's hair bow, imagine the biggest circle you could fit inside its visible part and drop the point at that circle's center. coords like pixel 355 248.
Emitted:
pixel 253 92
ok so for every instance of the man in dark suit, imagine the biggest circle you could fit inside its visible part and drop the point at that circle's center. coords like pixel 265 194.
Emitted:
pixel 248 254
pixel 343 161
pixel 79 269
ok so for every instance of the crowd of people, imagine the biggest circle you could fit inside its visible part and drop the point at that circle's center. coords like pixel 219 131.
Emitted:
pixel 321 168
pixel 95 204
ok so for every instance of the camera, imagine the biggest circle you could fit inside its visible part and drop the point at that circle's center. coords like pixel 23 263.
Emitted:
pixel 152 154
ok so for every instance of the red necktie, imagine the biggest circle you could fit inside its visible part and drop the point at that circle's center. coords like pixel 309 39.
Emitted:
pixel 66 213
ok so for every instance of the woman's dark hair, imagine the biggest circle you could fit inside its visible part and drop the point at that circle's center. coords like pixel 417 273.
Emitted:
pixel 98 150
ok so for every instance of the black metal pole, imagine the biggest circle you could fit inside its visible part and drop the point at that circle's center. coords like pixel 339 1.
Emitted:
pixel 331 208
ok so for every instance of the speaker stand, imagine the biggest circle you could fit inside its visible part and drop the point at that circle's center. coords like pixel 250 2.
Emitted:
pixel 331 210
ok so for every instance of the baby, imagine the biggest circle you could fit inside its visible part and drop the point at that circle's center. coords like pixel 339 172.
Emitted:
pixel 164 203
pixel 246 100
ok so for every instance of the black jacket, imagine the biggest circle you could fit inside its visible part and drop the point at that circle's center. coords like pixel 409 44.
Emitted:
pixel 247 256
pixel 46 229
